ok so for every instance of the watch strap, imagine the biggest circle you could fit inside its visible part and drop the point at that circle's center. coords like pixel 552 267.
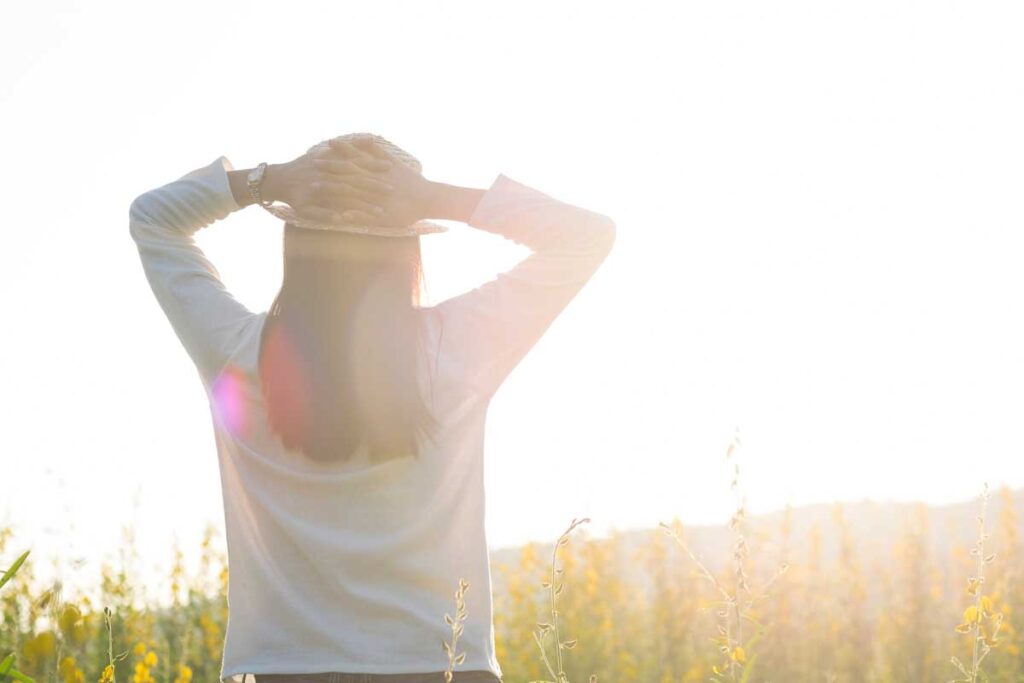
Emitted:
pixel 254 185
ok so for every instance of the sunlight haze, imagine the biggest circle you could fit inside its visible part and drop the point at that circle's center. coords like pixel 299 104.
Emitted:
pixel 818 209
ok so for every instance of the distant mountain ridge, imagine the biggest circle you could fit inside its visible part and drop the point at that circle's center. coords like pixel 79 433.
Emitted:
pixel 874 529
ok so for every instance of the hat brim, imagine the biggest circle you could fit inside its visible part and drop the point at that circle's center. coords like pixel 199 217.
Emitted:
pixel 421 227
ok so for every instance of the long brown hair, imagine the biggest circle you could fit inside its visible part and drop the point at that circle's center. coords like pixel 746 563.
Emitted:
pixel 342 344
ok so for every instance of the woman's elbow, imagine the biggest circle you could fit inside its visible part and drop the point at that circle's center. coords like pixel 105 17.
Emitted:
pixel 143 211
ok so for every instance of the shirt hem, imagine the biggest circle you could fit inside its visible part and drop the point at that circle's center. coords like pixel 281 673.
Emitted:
pixel 238 675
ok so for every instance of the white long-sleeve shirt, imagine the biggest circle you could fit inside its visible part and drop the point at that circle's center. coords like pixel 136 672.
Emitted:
pixel 352 569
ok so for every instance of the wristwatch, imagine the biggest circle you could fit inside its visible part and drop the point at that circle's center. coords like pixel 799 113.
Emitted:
pixel 253 182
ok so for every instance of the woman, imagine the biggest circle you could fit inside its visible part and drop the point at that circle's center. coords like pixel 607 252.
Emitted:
pixel 348 419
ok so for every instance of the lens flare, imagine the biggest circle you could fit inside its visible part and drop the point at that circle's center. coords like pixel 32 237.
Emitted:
pixel 286 387
pixel 229 400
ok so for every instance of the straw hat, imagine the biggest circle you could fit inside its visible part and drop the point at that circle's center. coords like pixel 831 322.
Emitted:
pixel 421 227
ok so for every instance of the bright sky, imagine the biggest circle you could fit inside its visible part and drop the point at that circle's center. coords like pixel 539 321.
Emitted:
pixel 819 210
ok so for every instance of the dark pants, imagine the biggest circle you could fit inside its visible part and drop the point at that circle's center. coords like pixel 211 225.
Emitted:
pixel 337 677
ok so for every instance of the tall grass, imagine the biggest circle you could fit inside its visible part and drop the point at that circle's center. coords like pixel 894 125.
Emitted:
pixel 737 599
pixel 456 623
pixel 7 670
pixel 554 584
pixel 630 607
pixel 980 620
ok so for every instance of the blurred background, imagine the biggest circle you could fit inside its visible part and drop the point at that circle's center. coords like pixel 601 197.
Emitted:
pixel 819 238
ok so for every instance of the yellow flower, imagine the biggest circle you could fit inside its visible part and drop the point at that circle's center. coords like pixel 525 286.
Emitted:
pixel 184 674
pixel 140 649
pixel 693 674
pixel 79 633
pixel 150 659
pixel 69 616
pixel 142 674
pixel 66 668
pixel 738 655
pixel 972 615
pixel 45 644
pixel 986 605
pixel 29 650
pixel 108 674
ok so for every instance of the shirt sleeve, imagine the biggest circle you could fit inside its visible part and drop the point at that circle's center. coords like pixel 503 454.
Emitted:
pixel 491 328
pixel 208 320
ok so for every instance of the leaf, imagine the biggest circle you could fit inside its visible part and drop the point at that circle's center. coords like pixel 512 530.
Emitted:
pixel 460 659
pixel 748 670
pixel 569 644
pixel 956 662
pixel 755 622
pixel 45 598
pixel 753 641
pixel 14 568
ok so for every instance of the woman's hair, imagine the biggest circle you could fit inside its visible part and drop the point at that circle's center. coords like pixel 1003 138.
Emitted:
pixel 342 345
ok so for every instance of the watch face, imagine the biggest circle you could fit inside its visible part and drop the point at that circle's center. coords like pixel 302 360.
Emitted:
pixel 254 175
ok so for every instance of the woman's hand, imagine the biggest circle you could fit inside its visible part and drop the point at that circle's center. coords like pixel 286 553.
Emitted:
pixel 410 197
pixel 339 182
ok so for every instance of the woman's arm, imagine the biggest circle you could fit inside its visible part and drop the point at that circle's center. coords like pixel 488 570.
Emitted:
pixel 353 185
pixel 209 321
pixel 238 180
pixel 491 328
pixel 451 202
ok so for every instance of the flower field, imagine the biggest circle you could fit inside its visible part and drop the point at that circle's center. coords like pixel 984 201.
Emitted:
pixel 858 592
